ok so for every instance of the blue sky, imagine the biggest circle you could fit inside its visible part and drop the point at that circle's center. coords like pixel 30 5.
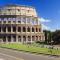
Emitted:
pixel 48 10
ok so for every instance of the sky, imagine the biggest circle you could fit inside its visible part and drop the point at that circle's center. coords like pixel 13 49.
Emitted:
pixel 48 11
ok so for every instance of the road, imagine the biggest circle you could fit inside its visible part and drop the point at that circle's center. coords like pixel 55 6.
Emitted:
pixel 8 54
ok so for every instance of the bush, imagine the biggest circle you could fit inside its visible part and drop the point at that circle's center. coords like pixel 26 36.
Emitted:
pixel 40 42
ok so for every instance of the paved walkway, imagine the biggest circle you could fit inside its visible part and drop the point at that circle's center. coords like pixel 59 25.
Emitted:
pixel 8 54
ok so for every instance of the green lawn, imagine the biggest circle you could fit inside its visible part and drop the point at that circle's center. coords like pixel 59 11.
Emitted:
pixel 31 48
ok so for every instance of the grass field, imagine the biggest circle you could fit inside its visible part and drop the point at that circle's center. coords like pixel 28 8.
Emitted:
pixel 31 48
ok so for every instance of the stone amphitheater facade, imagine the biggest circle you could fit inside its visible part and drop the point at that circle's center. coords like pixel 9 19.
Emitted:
pixel 19 24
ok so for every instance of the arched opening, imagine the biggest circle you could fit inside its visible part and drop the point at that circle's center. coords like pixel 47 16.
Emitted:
pixel 24 39
pixel 29 38
pixel 19 29
pixel 39 37
pixel 19 38
pixel 39 29
pixel 33 38
pixel 32 29
pixel 4 38
pixel 14 29
pixel 36 29
pixel 14 38
pixel 36 38
pixel 4 29
pixel 9 38
pixel 9 29
pixel 24 29
pixel 28 29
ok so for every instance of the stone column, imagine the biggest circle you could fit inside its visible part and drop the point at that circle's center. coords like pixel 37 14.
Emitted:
pixel 38 29
pixel 26 39
pixel 6 39
pixel 38 38
pixel 22 39
pixel 12 39
pixel 34 29
pixel 31 38
pixel 16 38
pixel 30 29
pixel 6 29
pixel 26 21
pixel 26 29
pixel 35 38
pixel 41 37
pixel 11 29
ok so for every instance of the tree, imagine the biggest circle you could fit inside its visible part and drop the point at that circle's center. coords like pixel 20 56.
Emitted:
pixel 56 37
pixel 47 36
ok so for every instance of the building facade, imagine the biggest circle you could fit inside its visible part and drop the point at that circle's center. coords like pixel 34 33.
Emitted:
pixel 19 24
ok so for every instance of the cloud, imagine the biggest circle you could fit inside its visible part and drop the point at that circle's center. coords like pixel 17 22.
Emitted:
pixel 44 20
pixel 44 27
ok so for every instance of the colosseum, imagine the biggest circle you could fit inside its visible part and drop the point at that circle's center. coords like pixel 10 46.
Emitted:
pixel 19 23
